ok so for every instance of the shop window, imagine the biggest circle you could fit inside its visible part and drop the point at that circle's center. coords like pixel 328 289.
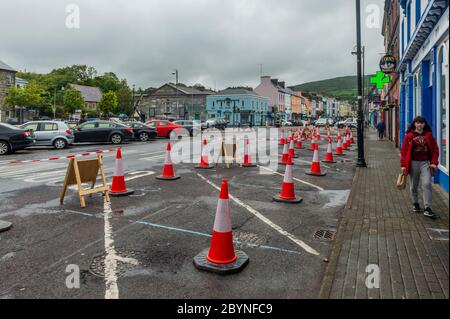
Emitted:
pixel 443 106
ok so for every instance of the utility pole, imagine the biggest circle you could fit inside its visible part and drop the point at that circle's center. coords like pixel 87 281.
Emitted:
pixel 361 159
pixel 176 88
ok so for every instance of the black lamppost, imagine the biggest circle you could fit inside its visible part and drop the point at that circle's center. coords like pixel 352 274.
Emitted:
pixel 176 88
pixel 361 159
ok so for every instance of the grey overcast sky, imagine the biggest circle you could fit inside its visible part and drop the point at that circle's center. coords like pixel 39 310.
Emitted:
pixel 213 42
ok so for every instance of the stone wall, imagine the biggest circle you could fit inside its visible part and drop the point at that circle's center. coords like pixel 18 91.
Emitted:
pixel 158 106
pixel 7 79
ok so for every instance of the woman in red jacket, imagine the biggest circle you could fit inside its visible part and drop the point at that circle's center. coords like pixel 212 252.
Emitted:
pixel 419 160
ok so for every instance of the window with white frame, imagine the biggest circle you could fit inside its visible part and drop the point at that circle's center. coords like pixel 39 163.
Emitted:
pixel 417 94
pixel 442 79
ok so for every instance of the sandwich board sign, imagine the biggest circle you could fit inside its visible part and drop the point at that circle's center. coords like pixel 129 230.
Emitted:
pixel 85 171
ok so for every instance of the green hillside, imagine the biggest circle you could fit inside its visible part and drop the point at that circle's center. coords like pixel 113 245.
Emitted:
pixel 342 88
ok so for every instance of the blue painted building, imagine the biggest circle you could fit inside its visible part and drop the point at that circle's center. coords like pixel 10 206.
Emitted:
pixel 423 67
pixel 238 106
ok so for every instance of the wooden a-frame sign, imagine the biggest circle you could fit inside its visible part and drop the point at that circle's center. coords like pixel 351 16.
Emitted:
pixel 229 153
pixel 85 171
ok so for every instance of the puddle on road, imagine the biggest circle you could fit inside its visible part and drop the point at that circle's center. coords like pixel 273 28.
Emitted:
pixel 336 198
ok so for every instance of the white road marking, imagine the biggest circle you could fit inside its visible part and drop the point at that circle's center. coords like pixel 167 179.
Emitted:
pixel 152 158
pixel 297 241
pixel 112 290
pixel 153 153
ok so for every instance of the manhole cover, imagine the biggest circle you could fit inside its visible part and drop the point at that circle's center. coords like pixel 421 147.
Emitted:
pixel 324 234
pixel 126 261
pixel 245 239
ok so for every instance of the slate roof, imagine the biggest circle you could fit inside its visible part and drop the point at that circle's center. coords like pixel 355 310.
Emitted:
pixel 89 93
pixel 4 66
pixel 189 91
pixel 236 92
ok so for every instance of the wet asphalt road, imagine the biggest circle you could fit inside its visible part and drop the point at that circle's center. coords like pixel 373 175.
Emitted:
pixel 163 226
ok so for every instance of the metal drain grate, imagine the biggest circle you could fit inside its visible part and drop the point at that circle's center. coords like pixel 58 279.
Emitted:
pixel 324 234
pixel 97 266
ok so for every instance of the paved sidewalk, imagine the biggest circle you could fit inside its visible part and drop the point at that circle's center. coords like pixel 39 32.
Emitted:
pixel 378 227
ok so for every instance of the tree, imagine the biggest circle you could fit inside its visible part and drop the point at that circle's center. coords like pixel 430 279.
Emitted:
pixel 108 82
pixel 125 100
pixel 73 100
pixel 199 87
pixel 31 96
pixel 109 103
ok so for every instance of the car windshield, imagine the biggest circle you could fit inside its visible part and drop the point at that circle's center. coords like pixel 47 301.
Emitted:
pixel 9 126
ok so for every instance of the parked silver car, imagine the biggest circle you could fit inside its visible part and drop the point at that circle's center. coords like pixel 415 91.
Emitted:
pixel 50 133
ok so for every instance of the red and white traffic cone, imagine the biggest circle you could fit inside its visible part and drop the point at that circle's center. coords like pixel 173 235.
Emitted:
pixel 285 155
pixel 315 165
pixel 352 141
pixel 291 150
pixel 344 143
pixel 313 144
pixel 221 256
pixel 247 158
pixel 118 186
pixel 287 194
pixel 282 139
pixel 329 155
pixel 168 173
pixel 299 145
pixel 339 151
pixel 204 160
pixel 347 139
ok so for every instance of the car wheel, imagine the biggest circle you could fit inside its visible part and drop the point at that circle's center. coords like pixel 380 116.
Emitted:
pixel 116 139
pixel 59 144
pixel 4 148
pixel 144 137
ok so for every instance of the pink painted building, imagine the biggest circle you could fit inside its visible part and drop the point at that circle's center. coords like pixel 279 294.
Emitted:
pixel 275 92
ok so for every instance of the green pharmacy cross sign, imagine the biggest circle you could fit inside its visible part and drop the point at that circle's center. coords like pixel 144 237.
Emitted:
pixel 380 79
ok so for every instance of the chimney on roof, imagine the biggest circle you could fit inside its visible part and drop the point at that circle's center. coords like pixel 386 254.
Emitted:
pixel 265 79
pixel 282 84
pixel 275 82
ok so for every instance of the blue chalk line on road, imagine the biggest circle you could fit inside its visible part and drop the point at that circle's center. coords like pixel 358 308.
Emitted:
pixel 192 232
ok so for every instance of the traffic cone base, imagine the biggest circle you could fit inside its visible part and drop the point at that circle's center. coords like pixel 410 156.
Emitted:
pixel 249 165
pixel 279 199
pixel 120 190
pixel 329 162
pixel 209 166
pixel 163 178
pixel 323 173
pixel 201 262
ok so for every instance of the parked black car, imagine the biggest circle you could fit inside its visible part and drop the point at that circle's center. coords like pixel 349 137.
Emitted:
pixel 103 131
pixel 13 138
pixel 142 132
pixel 191 126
